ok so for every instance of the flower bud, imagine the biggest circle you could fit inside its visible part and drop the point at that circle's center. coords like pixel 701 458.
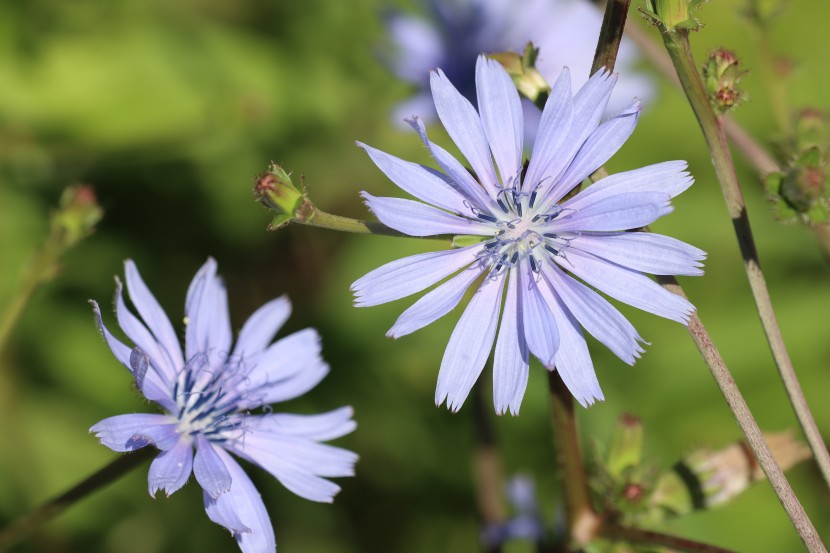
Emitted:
pixel 275 190
pixel 672 14
pixel 522 69
pixel 626 448
pixel 722 75
pixel 77 214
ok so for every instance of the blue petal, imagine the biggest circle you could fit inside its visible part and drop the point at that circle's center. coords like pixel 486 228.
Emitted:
pixel 601 319
pixel 320 427
pixel 209 470
pixel 152 313
pixel 118 433
pixel 289 368
pixel 551 149
pixel 501 117
pixel 668 178
pixel 242 511
pixel 418 181
pixel 419 42
pixel 170 470
pixel 572 359
pixel 460 178
pixel 539 324
pixel 208 322
pixel 470 344
pixel 597 149
pixel 418 219
pixel 511 360
pixel 261 327
pixel 463 125
pixel 268 448
pixel 409 275
pixel 628 286
pixel 435 304
pixel 152 385
pixel 619 212
pixel 643 251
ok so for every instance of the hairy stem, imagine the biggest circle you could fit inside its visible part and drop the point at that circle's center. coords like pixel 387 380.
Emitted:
pixel 647 537
pixel 582 521
pixel 749 426
pixel 677 45
pixel 27 524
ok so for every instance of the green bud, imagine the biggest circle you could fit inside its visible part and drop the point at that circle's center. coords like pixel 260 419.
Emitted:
pixel 77 214
pixel 275 190
pixel 722 75
pixel 626 449
pixel 672 14
pixel 522 69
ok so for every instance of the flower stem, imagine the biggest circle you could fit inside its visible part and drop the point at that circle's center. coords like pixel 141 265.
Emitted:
pixel 610 35
pixel 677 45
pixel 27 524
pixel 582 521
pixel 749 426
pixel 487 468
pixel 647 537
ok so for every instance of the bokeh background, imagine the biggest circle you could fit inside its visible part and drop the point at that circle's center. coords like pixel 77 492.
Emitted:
pixel 170 109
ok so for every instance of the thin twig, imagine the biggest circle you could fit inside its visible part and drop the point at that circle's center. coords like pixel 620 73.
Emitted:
pixel 648 537
pixel 27 524
pixel 677 45
pixel 610 35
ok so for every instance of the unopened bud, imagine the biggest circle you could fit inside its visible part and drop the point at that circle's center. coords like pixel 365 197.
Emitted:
pixel 77 214
pixel 522 69
pixel 672 14
pixel 722 75
pixel 275 190
pixel 626 448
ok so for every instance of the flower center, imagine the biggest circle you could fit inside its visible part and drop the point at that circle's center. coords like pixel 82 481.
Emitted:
pixel 210 397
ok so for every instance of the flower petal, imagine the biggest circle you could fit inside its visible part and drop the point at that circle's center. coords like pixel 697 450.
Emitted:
pixel 460 178
pixel 470 344
pixel 511 360
pixel 170 470
pixel 572 359
pixel 320 427
pixel 620 212
pixel 261 445
pixel 644 252
pixel 597 149
pixel 551 151
pixel 463 125
pixel 435 304
pixel 418 181
pixel 501 117
pixel 539 325
pixel 119 433
pixel 242 511
pixel 669 178
pixel 209 470
pixel 628 286
pixel 601 319
pixel 152 386
pixel 261 327
pixel 152 313
pixel 406 276
pixel 287 369
pixel 419 219
pixel 208 323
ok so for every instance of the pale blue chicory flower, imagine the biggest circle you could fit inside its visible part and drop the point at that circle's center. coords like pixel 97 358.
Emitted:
pixel 528 238
pixel 208 393
pixel 452 34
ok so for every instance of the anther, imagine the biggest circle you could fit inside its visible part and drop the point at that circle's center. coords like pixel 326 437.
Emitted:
pixel 486 217
pixel 551 249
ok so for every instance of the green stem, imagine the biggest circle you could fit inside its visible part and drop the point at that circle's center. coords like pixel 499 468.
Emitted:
pixel 27 524
pixel 749 426
pixel 677 45
pixel 647 537
pixel 581 520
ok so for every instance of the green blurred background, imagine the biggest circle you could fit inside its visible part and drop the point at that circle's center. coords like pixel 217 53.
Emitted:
pixel 170 109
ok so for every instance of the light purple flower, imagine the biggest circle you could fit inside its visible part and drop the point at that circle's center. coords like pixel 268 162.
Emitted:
pixel 207 394
pixel 526 239
pixel 454 32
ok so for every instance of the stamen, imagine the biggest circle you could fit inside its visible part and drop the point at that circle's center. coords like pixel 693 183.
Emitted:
pixel 551 249
pixel 486 217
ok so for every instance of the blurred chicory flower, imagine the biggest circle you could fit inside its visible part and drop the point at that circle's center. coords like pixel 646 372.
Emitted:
pixel 455 32
pixel 519 233
pixel 207 394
